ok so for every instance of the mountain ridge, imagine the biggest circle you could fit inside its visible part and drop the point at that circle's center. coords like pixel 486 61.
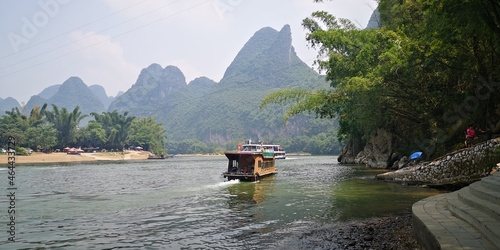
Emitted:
pixel 206 112
pixel 71 93
pixel 226 111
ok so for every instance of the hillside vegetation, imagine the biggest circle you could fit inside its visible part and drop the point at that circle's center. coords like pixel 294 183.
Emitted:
pixel 204 116
pixel 210 117
pixel 430 70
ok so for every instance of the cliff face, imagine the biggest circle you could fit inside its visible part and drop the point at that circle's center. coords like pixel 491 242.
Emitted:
pixel 378 152
pixel 268 60
pixel 374 22
pixel 100 93
pixel 156 88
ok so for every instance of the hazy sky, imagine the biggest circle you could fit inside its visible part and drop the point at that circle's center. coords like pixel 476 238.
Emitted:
pixel 108 42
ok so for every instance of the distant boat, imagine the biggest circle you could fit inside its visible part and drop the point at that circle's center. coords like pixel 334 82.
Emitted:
pixel 158 157
pixel 279 152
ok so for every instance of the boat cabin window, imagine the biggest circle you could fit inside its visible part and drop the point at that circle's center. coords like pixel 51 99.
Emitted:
pixel 233 164
pixel 263 165
pixel 251 148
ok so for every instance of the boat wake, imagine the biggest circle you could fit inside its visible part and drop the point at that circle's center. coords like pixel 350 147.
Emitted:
pixel 227 183
pixel 221 184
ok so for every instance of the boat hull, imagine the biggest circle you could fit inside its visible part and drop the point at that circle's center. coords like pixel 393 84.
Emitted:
pixel 158 157
pixel 279 156
pixel 246 177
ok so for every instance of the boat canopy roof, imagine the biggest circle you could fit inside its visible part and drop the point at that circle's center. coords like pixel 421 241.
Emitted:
pixel 247 155
pixel 256 147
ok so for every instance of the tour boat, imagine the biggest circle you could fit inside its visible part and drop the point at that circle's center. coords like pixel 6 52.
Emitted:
pixel 158 157
pixel 279 152
pixel 249 165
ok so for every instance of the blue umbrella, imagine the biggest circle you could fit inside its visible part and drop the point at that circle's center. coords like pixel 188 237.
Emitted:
pixel 415 155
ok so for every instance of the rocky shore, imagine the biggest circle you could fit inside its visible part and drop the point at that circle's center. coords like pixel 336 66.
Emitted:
pixel 375 233
pixel 460 167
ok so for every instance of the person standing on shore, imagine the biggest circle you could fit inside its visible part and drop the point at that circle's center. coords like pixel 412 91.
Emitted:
pixel 470 135
pixel 488 133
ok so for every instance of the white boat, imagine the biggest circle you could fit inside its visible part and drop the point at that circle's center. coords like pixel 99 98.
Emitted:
pixel 279 152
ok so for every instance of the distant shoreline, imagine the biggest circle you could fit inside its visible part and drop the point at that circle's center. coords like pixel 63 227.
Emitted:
pixel 209 155
pixel 68 158
pixel 42 158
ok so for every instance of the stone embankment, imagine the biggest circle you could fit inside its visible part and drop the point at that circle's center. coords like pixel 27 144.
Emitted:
pixel 465 219
pixel 460 167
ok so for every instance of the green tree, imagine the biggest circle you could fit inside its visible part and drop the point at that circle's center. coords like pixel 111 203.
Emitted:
pixel 16 124
pixel 427 72
pixel 37 116
pixel 355 93
pixel 66 124
pixel 449 62
pixel 93 135
pixel 117 127
pixel 41 136
pixel 11 124
pixel 188 146
pixel 149 134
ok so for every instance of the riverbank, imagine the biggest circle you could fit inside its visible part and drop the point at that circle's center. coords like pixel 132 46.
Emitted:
pixel 106 202
pixel 84 157
pixel 391 232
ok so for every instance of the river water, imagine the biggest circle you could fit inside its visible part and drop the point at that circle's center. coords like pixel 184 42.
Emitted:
pixel 184 203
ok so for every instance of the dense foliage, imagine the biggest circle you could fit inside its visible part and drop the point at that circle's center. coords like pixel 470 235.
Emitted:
pixel 431 69
pixel 57 128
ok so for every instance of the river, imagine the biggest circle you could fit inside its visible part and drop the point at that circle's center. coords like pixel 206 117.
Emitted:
pixel 184 203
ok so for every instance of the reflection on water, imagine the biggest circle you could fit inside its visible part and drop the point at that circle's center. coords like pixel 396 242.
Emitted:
pixel 364 198
pixel 250 193
pixel 185 203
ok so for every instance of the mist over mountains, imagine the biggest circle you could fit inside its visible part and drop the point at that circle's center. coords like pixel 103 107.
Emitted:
pixel 215 113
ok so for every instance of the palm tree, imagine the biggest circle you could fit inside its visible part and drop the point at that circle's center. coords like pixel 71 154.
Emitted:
pixel 66 124
pixel 149 134
pixel 13 123
pixel 117 128
pixel 37 116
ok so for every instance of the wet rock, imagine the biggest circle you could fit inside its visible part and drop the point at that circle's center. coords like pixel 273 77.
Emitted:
pixel 393 233
pixel 368 238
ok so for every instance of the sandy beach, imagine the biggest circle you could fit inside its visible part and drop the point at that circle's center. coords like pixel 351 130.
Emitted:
pixel 84 157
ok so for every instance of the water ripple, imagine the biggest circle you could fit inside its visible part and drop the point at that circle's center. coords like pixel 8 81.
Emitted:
pixel 185 203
